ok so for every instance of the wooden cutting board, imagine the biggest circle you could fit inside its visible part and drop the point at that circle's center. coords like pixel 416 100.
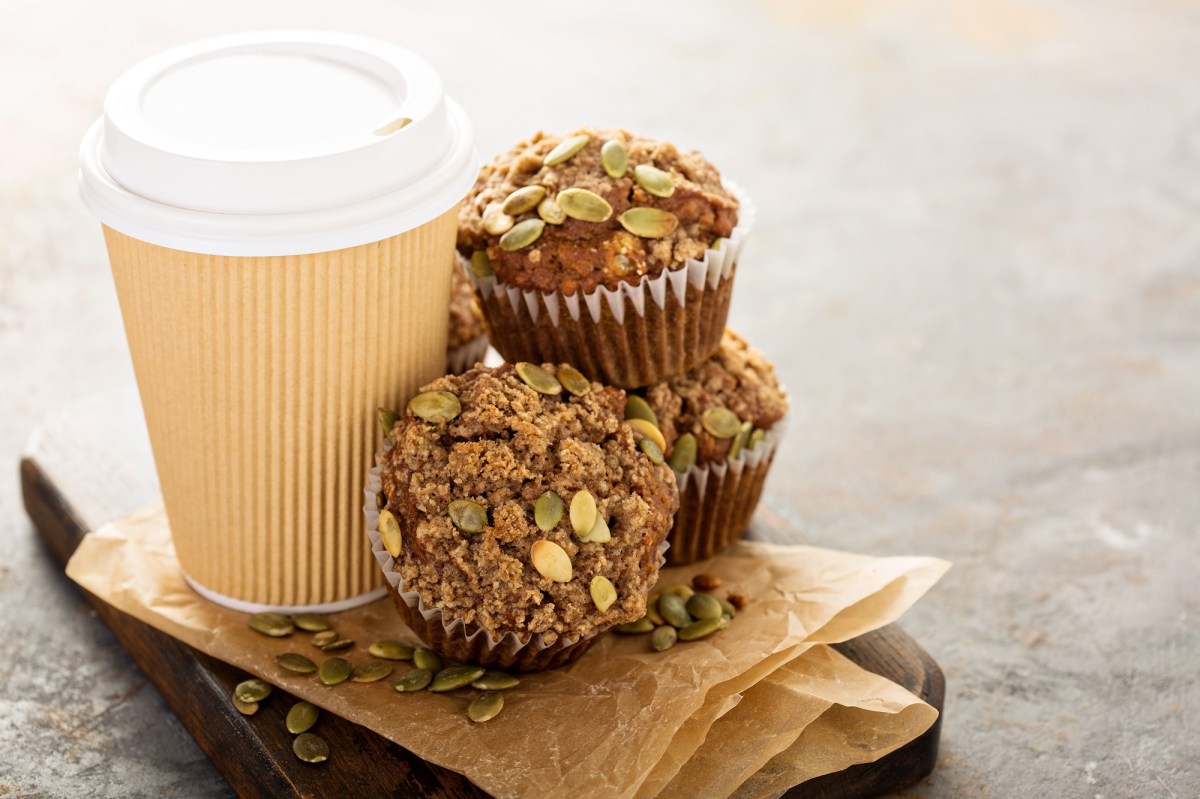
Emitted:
pixel 90 463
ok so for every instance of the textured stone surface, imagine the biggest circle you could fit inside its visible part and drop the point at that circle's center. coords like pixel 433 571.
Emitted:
pixel 977 265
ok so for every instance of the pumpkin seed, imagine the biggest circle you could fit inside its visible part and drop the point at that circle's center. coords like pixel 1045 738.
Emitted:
pixel 391 650
pixel 727 608
pixel 652 610
pixel 387 421
pixel 651 450
pixel 551 561
pixel 427 659
pixel 495 221
pixel 703 628
pixel 565 149
pixel 718 243
pixel 337 644
pixel 485 707
pixel 469 517
pixel 302 717
pixel 645 429
pixel 680 590
pixel 254 690
pixel 293 661
pixel 523 199
pixel 380 500
pixel 455 677
pixel 721 422
pixel 583 512
pixel 683 457
pixel 538 378
pixel 548 511
pixel 703 606
pixel 324 637
pixel 574 381
pixel 756 438
pixel 481 265
pixel 585 205
pixel 310 748
pixel 371 671
pixel 334 670
pixel 275 625
pixel 389 533
pixel 604 593
pixel 637 408
pixel 496 681
pixel 663 638
pixel 599 534
pixel 415 680
pixel 522 235
pixel 739 441
pixel 245 708
pixel 673 610
pixel 642 625
pixel 550 211
pixel 654 180
pixel 705 582
pixel 435 406
pixel 649 223
pixel 614 158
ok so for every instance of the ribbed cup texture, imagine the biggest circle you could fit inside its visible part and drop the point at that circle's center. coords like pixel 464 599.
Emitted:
pixel 260 378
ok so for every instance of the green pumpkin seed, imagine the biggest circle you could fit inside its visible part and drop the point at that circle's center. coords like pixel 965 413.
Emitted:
pixel 245 708
pixel 252 691
pixel 538 378
pixel 574 381
pixel 496 681
pixel 663 638
pixel 739 441
pixel 756 438
pixel 469 517
pixel 455 677
pixel 604 593
pixel 680 590
pixel 334 670
pixel 654 180
pixel 302 717
pixel 389 533
pixel 415 680
pixel 522 235
pixel 599 534
pixel 296 662
pixel 314 622
pixel 721 422
pixel 310 748
pixel 495 221
pixel 551 561
pixel 371 671
pixel 727 608
pixel 718 243
pixel 481 265
pixel 583 512
pixel 649 223
pixel 639 627
pixel 427 659
pixel 637 408
pixel 387 421
pixel 703 628
pixel 380 500
pixel 337 644
pixel 703 606
pixel 614 158
pixel 652 610
pixel 551 212
pixel 674 610
pixel 324 637
pixel 651 451
pixel 275 625
pixel 435 406
pixel 646 430
pixel 548 511
pixel 584 205
pixel 485 707
pixel 565 149
pixel 523 199
pixel 391 650
pixel 683 457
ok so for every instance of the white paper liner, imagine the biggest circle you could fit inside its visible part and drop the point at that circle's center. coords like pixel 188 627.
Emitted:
pixel 460 359
pixel 746 459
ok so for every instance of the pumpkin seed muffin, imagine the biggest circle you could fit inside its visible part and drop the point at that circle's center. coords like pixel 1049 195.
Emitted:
pixel 562 218
pixel 522 509
pixel 466 341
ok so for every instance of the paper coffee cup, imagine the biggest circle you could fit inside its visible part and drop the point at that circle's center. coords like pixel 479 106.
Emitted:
pixel 278 208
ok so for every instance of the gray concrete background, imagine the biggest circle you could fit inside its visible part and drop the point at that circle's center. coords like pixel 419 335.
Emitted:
pixel 976 263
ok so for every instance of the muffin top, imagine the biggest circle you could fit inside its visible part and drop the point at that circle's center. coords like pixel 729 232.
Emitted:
pixel 467 479
pixel 595 208
pixel 466 324
pixel 726 404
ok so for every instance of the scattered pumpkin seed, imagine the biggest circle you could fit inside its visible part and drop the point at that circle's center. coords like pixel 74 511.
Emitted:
pixel 703 628
pixel 604 593
pixel 371 671
pixel 727 608
pixel 495 221
pixel 435 406
pixel 522 235
pixel 639 627
pixel 468 516
pixel 538 378
pixel 739 441
pixel 663 638
pixel 680 590
pixel 427 659
pixel 652 610
pixel 565 149
pixel 756 438
pixel 455 677
pixel 324 637
pixel 523 199
pixel 683 457
pixel 302 717
pixel 389 533
pixel 705 582
pixel 496 681
pixel 550 211
pixel 721 422
pixel 337 644
pixel 415 680
pixel 485 707
pixel 481 265
pixel 551 561
pixel 387 420
pixel 614 158
pixel 649 223
pixel 245 708
pixel 380 500
pixel 654 180
pixel 334 670
pixel 704 606
pixel 293 661
pixel 391 650
pixel 310 748
pixel 645 429
pixel 674 610
pixel 585 205
pixel 651 450
pixel 637 408
pixel 574 381
pixel 275 625
pixel 254 690
pixel 548 511
pixel 583 512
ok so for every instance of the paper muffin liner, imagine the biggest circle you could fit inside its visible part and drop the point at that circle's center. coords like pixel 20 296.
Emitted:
pixel 717 501
pixel 634 335
pixel 463 641
pixel 460 359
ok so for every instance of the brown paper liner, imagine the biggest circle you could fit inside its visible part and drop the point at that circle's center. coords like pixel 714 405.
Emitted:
pixel 260 378
pixel 460 359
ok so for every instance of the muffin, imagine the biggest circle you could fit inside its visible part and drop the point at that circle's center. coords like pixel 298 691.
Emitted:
pixel 603 249
pixel 466 341
pixel 719 426
pixel 520 520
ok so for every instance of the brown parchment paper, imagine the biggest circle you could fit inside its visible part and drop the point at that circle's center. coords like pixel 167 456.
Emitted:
pixel 600 726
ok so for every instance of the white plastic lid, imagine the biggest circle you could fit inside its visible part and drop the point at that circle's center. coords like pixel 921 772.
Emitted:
pixel 276 143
